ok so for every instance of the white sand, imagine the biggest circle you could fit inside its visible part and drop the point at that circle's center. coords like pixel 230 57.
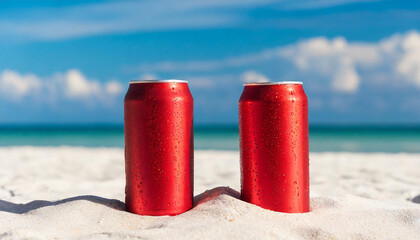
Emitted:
pixel 69 193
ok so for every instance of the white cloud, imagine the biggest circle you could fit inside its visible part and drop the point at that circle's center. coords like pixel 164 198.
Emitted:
pixel 16 86
pixel 252 76
pixel 114 88
pixel 72 84
pixel 334 59
pixel 347 65
pixel 409 64
pixel 346 80
pixel 343 66
pixel 77 86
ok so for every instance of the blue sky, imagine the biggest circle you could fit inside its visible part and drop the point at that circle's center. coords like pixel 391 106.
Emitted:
pixel 70 61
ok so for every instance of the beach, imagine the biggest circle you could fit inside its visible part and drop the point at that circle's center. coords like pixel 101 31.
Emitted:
pixel 78 193
pixel 87 86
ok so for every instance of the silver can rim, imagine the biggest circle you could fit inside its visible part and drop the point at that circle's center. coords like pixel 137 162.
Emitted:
pixel 158 81
pixel 273 83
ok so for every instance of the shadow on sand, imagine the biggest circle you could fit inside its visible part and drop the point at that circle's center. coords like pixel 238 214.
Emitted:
pixel 27 207
pixel 416 199
pixel 111 203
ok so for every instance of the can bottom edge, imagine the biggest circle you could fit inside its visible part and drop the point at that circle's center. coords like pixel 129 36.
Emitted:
pixel 160 212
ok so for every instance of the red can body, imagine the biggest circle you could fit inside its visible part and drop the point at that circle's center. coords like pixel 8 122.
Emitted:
pixel 274 146
pixel 158 129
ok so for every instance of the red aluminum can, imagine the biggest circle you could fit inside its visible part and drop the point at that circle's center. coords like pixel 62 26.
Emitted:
pixel 158 128
pixel 274 146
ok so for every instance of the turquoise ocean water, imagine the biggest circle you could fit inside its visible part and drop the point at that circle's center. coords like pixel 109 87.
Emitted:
pixel 322 138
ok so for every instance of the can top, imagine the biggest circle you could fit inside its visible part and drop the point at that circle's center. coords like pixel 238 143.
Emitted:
pixel 273 83
pixel 158 81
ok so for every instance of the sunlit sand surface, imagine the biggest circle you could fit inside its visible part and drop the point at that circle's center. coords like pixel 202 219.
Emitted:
pixel 71 192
